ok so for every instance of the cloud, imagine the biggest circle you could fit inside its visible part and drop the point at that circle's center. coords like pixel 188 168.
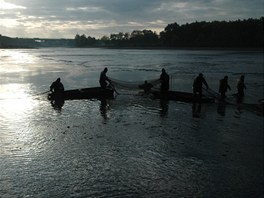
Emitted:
pixel 84 9
pixel 64 18
pixel 9 6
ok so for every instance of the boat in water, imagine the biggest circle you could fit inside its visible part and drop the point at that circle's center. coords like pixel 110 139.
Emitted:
pixel 84 93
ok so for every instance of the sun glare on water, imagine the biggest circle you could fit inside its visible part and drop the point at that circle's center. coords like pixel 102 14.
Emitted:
pixel 15 101
pixel 17 61
pixel 16 112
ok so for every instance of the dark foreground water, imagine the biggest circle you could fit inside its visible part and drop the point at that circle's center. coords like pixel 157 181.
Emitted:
pixel 132 146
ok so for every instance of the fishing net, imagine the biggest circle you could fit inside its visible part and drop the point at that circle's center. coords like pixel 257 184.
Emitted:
pixel 228 99
pixel 133 85
pixel 211 93
pixel 136 85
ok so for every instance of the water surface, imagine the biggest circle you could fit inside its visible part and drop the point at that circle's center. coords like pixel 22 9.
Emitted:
pixel 132 146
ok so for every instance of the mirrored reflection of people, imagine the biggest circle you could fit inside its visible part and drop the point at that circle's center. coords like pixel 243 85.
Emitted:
pixel 164 108
pixel 221 107
pixel 146 87
pixel 57 104
pixel 241 87
pixel 223 86
pixel 104 80
pixel 198 85
pixel 165 82
pixel 196 109
pixel 103 108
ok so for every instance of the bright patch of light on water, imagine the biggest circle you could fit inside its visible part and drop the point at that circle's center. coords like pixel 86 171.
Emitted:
pixel 16 103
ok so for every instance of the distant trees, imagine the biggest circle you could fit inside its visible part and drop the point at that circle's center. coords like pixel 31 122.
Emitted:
pixel 246 33
pixel 137 38
pixel 144 38
pixel 7 42
pixel 83 41
pixel 240 33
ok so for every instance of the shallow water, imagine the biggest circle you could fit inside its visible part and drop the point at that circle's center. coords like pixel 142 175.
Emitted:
pixel 132 146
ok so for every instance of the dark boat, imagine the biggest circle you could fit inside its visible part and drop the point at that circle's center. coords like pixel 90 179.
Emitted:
pixel 85 93
pixel 181 96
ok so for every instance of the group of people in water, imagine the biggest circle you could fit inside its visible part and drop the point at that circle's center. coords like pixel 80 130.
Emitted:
pixel 164 80
pixel 223 86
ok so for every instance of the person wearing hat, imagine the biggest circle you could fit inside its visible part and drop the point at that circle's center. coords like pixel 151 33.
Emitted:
pixel 198 84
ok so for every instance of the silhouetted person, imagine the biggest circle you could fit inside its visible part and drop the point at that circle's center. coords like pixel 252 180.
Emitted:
pixel 57 87
pixel 104 79
pixel 240 87
pixel 165 81
pixel 224 86
pixel 146 86
pixel 198 84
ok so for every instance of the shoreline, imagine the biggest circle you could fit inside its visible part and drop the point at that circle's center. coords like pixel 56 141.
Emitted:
pixel 189 48
pixel 152 48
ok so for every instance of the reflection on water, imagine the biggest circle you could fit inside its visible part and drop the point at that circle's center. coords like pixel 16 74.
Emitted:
pixel 17 112
pixel 17 61
pixel 196 109
pixel 142 148
pixel 104 106
pixel 221 107
pixel 16 102
pixel 164 107
pixel 57 104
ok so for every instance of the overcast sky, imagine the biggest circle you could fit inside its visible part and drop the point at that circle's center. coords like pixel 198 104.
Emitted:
pixel 96 18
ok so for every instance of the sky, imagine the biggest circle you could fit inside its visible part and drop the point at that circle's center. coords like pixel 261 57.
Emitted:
pixel 97 18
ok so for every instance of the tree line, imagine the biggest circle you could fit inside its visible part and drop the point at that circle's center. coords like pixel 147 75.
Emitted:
pixel 246 33
pixel 239 33
pixel 7 42
pixel 137 38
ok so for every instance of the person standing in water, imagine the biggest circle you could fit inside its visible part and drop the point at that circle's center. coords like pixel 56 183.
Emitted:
pixel 104 79
pixel 57 94
pixel 57 87
pixel 198 84
pixel 241 87
pixel 224 86
pixel 165 81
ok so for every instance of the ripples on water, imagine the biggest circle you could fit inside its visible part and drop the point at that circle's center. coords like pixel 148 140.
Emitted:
pixel 131 146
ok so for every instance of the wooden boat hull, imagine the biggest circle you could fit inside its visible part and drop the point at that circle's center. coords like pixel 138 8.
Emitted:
pixel 181 96
pixel 85 93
